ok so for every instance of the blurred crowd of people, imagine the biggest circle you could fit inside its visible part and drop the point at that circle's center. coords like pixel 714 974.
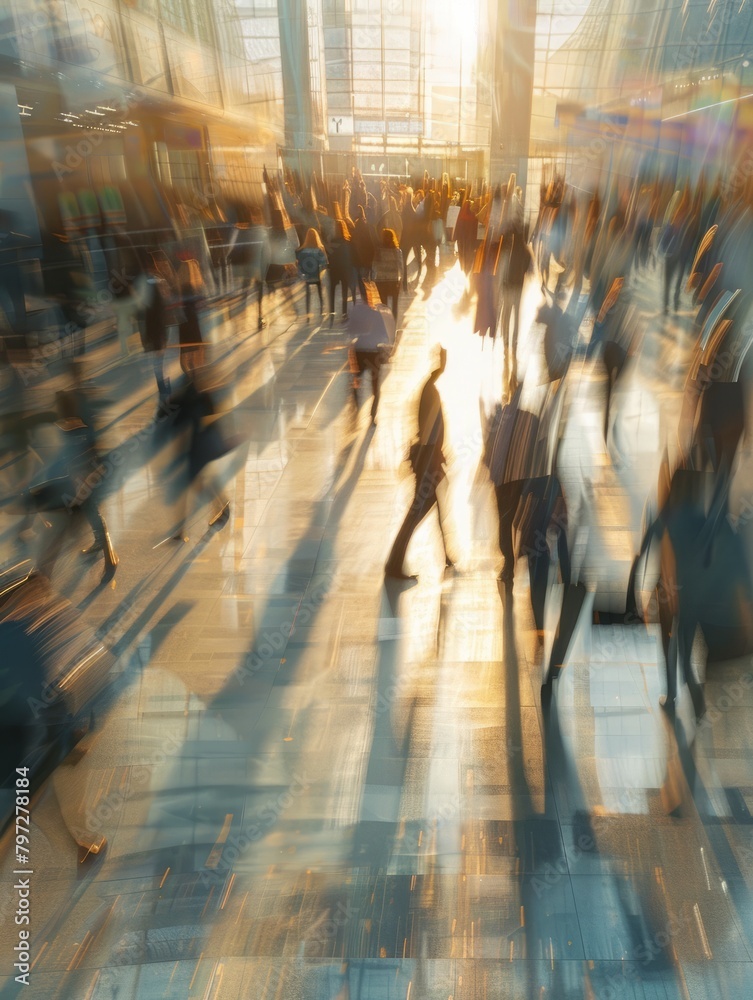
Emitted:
pixel 611 264
pixel 369 241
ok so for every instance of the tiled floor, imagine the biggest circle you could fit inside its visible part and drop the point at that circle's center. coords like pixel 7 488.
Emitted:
pixel 316 786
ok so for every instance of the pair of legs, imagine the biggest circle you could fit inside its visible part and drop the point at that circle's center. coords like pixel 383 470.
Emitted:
pixel 424 499
pixel 389 290
pixel 344 284
pixel 318 286
pixel 102 541
pixel 163 384
pixel 256 284
pixel 678 633
pixel 430 249
pixel 198 484
pixel 361 362
pixel 508 498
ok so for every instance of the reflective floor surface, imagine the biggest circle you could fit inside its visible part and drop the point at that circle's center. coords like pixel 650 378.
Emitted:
pixel 318 786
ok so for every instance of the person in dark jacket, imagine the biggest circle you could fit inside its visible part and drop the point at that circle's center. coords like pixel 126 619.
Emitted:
pixel 340 269
pixel 466 236
pixel 388 269
pixel 427 214
pixel 364 246
pixel 427 459
pixel 515 263
pixel 153 327
pixel 411 238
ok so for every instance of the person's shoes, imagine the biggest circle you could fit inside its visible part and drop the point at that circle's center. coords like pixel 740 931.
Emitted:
pixel 667 705
pixel 109 570
pixel 396 573
pixel 180 535
pixel 93 549
pixel 261 324
pixel 221 516
pixel 90 848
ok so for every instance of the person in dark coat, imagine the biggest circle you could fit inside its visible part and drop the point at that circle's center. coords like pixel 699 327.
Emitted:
pixel 340 268
pixel 466 236
pixel 410 239
pixel 427 459
pixel 388 269
pixel 486 280
pixel 364 246
pixel 153 328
